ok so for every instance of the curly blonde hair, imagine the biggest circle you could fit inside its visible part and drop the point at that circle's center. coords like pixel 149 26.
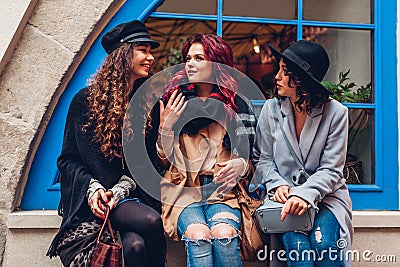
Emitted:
pixel 108 98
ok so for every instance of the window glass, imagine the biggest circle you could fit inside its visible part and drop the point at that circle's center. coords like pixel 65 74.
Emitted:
pixel 348 50
pixel 360 156
pixel 354 11
pixel 349 77
pixel 171 34
pixel 250 50
pixel 283 9
pixel 206 7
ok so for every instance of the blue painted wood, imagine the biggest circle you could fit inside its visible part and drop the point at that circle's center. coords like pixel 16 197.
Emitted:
pixel 259 20
pixel 364 188
pixel 300 19
pixel 343 25
pixel 182 16
pixel 360 105
pixel 39 190
pixel 219 17
pixel 386 117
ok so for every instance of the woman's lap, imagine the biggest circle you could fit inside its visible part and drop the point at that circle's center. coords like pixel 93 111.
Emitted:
pixel 209 215
pixel 319 243
pixel 134 216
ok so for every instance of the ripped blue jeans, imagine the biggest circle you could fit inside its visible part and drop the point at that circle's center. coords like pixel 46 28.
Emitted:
pixel 215 251
pixel 318 247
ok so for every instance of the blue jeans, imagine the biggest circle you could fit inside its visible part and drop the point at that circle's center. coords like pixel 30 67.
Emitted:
pixel 318 247
pixel 215 251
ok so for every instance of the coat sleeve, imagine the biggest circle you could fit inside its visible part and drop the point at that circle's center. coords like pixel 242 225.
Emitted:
pixel 329 175
pixel 165 146
pixel 263 151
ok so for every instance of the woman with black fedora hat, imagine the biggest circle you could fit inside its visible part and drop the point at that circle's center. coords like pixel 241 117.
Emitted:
pixel 316 134
pixel 91 164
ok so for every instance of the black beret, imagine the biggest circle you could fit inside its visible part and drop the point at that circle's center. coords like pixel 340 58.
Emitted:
pixel 129 32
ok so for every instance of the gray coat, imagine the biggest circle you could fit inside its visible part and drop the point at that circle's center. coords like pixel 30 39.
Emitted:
pixel 322 149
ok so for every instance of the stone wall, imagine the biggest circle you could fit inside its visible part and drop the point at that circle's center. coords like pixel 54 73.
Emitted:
pixel 50 43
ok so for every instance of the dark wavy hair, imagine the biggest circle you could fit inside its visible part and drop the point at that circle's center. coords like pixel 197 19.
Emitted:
pixel 216 50
pixel 305 90
pixel 109 95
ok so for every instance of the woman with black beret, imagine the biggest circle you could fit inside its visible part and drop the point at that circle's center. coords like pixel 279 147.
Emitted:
pixel 91 164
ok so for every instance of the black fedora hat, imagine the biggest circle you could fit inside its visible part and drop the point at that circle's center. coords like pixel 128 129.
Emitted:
pixel 310 59
pixel 129 32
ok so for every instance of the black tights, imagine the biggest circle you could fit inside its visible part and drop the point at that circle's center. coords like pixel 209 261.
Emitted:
pixel 142 234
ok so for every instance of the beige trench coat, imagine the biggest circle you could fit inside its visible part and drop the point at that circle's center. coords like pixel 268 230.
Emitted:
pixel 180 186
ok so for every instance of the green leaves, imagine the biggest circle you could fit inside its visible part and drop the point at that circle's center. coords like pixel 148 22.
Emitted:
pixel 175 55
pixel 346 91
pixel 174 58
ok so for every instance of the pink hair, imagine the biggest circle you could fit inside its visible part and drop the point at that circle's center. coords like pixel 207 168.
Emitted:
pixel 216 50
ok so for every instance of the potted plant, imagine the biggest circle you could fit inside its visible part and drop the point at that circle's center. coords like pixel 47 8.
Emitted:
pixel 349 92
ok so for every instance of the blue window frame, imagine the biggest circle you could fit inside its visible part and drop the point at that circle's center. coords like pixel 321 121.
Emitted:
pixel 42 189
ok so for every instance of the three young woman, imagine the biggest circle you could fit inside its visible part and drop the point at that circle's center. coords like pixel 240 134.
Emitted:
pixel 204 134
pixel 316 128
pixel 91 164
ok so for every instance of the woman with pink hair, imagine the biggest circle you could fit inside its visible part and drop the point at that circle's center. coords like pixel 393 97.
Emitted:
pixel 204 139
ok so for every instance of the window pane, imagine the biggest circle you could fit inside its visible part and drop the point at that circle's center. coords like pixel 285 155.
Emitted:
pixel 348 50
pixel 354 11
pixel 171 34
pixel 283 9
pixel 257 63
pixel 360 159
pixel 207 7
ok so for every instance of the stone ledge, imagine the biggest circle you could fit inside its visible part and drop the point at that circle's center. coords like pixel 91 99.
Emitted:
pixel 34 219
pixel 376 219
pixel 48 219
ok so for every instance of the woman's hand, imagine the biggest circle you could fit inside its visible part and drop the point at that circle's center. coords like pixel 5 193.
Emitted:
pixel 281 194
pixel 96 203
pixel 111 200
pixel 294 205
pixel 231 170
pixel 170 114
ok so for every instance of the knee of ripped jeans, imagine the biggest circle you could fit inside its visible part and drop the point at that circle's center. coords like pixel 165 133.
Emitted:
pixel 196 241
pixel 226 235
pixel 226 240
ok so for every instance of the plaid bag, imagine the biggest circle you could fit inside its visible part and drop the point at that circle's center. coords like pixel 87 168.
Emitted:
pixel 106 254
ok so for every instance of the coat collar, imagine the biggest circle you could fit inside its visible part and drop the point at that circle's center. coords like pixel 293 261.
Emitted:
pixel 301 148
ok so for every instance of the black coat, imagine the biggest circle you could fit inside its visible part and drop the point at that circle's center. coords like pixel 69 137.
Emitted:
pixel 79 161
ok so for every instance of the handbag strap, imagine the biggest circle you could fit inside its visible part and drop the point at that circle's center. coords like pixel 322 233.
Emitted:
pixel 280 119
pixel 108 223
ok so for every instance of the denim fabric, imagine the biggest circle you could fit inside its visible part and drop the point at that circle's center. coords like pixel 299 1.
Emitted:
pixel 207 186
pixel 318 247
pixel 215 251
